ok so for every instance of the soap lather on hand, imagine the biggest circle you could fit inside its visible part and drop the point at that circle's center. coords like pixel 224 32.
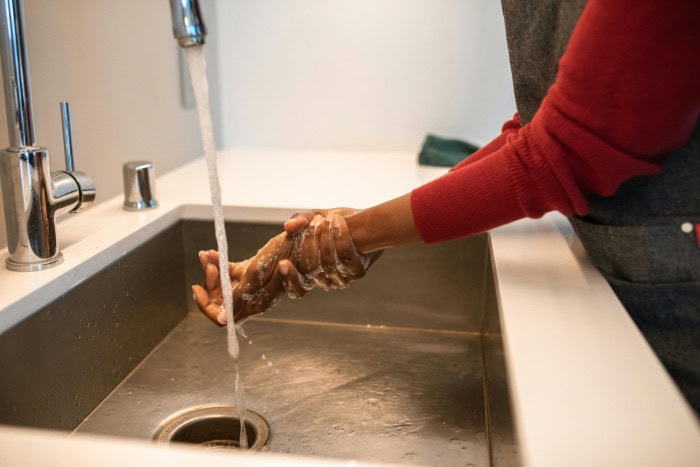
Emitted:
pixel 315 250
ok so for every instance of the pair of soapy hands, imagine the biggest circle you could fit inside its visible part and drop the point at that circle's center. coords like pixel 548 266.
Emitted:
pixel 315 250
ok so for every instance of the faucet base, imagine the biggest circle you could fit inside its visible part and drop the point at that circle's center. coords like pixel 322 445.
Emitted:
pixel 29 267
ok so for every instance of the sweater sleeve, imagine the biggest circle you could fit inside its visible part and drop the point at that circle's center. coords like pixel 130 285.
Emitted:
pixel 511 126
pixel 626 94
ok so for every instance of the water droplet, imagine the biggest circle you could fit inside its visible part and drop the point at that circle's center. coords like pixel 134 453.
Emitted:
pixel 458 443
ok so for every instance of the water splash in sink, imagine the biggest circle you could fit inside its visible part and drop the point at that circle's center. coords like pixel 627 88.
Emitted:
pixel 197 66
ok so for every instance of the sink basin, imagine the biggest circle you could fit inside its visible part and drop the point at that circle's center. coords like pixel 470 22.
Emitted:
pixel 406 366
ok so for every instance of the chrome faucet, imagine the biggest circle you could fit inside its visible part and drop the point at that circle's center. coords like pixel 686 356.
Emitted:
pixel 32 195
pixel 188 26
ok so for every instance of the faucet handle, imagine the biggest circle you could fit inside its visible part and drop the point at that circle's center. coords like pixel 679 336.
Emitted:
pixel 139 185
pixel 67 137
pixel 85 185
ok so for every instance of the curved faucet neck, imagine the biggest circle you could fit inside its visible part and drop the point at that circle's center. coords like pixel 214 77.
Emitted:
pixel 18 102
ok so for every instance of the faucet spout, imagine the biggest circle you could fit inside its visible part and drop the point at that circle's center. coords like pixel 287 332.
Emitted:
pixel 18 103
pixel 32 195
pixel 188 25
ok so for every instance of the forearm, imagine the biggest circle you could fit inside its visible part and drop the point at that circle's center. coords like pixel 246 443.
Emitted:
pixel 386 225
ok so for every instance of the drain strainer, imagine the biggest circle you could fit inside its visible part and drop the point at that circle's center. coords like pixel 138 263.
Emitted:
pixel 214 427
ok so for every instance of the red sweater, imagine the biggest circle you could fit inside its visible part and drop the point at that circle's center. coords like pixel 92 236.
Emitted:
pixel 626 94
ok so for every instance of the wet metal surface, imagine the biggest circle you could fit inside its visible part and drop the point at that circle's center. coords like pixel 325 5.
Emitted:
pixel 406 366
pixel 59 363
pixel 347 392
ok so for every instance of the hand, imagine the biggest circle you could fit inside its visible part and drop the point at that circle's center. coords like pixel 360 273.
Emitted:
pixel 315 250
pixel 209 299
pixel 256 283
pixel 324 254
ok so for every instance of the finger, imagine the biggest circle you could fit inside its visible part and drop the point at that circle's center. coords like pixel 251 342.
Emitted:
pixel 312 256
pixel 309 260
pixel 211 277
pixel 206 306
pixel 327 251
pixel 349 261
pixel 323 282
pixel 203 259
pixel 213 256
pixel 208 257
pixel 291 280
pixel 298 222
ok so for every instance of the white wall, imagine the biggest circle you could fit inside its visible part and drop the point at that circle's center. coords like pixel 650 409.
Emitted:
pixel 361 74
pixel 301 74
pixel 116 62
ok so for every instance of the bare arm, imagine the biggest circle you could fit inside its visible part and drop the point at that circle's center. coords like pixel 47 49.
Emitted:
pixel 386 225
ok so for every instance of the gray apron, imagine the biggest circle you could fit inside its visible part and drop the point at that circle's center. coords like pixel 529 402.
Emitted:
pixel 644 238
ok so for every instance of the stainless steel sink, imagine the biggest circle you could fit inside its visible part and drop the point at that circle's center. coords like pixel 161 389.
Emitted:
pixel 406 366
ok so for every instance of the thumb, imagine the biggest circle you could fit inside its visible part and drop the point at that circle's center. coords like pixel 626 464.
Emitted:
pixel 299 222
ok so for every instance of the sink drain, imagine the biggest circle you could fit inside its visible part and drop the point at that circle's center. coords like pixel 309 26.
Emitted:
pixel 214 427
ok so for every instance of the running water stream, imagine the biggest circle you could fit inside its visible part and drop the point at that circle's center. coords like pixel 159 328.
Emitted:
pixel 197 66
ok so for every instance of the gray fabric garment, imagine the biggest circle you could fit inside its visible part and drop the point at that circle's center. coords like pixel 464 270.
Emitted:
pixel 634 237
pixel 537 32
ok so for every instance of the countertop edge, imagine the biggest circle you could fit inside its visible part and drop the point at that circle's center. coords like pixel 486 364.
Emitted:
pixel 578 366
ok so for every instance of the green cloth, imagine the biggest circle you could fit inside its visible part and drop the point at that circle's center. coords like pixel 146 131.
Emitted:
pixel 444 152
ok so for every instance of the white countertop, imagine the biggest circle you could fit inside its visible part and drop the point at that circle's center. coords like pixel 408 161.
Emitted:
pixel 587 389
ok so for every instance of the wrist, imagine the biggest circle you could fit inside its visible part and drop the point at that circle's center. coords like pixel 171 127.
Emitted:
pixel 383 226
